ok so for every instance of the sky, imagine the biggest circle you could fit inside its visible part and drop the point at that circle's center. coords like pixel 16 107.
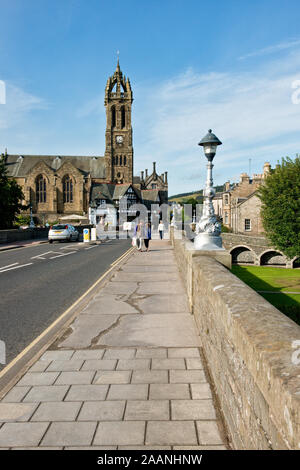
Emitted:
pixel 229 65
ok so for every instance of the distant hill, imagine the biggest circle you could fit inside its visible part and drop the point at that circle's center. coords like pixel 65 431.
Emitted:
pixel 195 194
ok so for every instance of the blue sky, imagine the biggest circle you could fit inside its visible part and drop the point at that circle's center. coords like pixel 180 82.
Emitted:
pixel 228 65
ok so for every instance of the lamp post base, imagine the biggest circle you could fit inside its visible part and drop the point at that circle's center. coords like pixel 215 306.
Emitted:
pixel 207 241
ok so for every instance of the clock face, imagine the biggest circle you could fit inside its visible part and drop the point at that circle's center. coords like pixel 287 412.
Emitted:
pixel 119 139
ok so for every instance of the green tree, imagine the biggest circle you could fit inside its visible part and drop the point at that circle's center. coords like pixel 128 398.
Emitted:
pixel 11 196
pixel 280 196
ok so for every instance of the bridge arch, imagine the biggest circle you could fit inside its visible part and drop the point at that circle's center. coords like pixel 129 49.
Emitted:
pixel 296 262
pixel 272 258
pixel 242 254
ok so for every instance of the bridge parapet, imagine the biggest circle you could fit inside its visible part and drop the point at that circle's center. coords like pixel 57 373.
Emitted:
pixel 253 353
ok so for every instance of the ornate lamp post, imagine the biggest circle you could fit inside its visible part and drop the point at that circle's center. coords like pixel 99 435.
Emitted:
pixel 209 229
pixel 31 225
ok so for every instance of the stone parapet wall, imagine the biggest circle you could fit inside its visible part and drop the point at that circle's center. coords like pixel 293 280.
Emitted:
pixel 15 235
pixel 257 244
pixel 253 353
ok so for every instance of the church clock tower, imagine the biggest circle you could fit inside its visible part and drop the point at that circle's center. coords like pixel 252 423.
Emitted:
pixel 118 135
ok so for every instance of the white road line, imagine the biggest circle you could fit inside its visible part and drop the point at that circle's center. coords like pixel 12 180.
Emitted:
pixel 8 266
pixel 63 254
pixel 90 247
pixel 43 254
pixel 15 267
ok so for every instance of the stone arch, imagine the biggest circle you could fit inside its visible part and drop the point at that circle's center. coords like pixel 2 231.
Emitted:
pixel 272 258
pixel 242 254
pixel 296 262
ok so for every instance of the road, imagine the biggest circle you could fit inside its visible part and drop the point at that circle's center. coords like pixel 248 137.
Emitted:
pixel 38 283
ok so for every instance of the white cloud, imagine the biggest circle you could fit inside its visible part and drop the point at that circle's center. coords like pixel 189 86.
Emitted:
pixel 251 112
pixel 271 49
pixel 17 106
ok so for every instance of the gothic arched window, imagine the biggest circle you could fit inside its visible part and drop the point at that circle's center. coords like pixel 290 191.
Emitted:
pixel 125 160
pixel 121 160
pixel 40 189
pixel 123 122
pixel 116 160
pixel 113 116
pixel 68 189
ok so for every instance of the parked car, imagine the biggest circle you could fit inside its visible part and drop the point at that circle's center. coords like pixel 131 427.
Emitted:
pixel 62 232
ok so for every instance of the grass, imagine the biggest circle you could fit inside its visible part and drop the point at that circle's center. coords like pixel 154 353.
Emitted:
pixel 278 280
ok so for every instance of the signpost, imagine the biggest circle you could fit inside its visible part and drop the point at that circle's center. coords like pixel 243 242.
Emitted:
pixel 86 235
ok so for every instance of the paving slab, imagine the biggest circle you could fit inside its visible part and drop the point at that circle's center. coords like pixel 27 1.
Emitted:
pixel 146 277
pixel 147 410
pixel 184 352
pixel 133 268
pixel 167 288
pixel 72 378
pixel 161 303
pixel 113 377
pixel 153 330
pixel 209 433
pixel 22 434
pixel 120 433
pixel 10 412
pixel 46 393
pixel 102 411
pixel 187 376
pixel 113 287
pixel 192 409
pixel 87 354
pixel 151 353
pixel 133 364
pixel 201 391
pixel 87 327
pixel 150 377
pixel 169 391
pixel 63 366
pixel 86 392
pixel 128 392
pixel 99 364
pixel 119 353
pixel 67 434
pixel 57 355
pixel 38 378
pixel 171 433
pixel 16 394
pixel 107 304
pixel 57 411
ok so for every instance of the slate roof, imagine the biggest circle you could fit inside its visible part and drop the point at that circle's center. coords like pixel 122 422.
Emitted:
pixel 21 165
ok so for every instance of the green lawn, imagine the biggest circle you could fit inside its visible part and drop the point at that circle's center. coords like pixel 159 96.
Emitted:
pixel 277 280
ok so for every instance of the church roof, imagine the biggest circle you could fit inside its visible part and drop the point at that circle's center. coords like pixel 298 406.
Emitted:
pixel 21 165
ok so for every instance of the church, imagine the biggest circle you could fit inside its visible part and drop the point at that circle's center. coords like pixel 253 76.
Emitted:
pixel 56 186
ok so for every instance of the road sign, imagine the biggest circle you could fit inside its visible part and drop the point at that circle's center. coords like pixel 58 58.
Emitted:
pixel 86 234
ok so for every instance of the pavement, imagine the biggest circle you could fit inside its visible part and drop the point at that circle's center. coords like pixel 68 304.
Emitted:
pixel 128 374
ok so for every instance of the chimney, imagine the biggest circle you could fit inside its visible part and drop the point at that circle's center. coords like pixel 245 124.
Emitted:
pixel 146 173
pixel 154 167
pixel 142 176
pixel 166 177
pixel 227 186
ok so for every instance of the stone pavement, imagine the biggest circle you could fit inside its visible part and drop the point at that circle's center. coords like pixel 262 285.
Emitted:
pixel 128 374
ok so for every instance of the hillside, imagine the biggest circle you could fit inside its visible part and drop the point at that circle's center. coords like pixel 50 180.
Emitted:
pixel 194 194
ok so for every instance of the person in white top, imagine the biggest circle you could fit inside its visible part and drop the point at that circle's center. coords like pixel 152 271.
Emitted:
pixel 161 228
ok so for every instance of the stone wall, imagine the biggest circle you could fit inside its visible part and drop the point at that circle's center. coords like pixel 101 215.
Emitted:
pixel 253 353
pixel 14 235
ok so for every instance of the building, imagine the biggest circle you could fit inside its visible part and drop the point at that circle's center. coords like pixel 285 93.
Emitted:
pixel 241 205
pixel 56 185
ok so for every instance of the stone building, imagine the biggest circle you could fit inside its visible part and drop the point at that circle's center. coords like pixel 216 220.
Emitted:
pixel 241 205
pixel 62 185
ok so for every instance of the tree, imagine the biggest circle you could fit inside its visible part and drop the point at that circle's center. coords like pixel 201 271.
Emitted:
pixel 11 196
pixel 280 197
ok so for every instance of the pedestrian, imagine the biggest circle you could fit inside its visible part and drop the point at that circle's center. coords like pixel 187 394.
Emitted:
pixel 147 235
pixel 138 233
pixel 161 228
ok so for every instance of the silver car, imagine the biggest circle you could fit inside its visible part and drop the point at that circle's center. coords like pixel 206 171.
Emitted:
pixel 62 232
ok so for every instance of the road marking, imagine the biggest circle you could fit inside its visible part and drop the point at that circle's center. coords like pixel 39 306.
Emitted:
pixel 8 266
pixel 62 254
pixel 14 361
pixel 43 254
pixel 90 247
pixel 15 267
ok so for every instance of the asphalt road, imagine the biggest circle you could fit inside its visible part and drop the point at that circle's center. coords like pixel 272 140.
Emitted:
pixel 38 283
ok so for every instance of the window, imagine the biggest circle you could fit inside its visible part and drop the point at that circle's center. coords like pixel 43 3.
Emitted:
pixel 113 116
pixel 125 160
pixel 154 186
pixel 247 225
pixel 226 218
pixel 116 160
pixel 120 159
pixel 123 117
pixel 41 189
pixel 226 200
pixel 68 189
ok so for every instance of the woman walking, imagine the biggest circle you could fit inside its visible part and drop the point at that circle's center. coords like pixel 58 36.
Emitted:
pixel 138 233
pixel 147 235
pixel 161 228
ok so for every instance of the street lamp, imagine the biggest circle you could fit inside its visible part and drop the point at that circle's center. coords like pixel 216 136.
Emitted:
pixel 31 225
pixel 209 229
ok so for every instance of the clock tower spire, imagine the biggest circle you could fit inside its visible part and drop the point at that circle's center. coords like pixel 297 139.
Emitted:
pixel 118 135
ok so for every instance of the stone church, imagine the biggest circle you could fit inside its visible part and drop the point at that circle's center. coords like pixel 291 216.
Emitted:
pixel 60 185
